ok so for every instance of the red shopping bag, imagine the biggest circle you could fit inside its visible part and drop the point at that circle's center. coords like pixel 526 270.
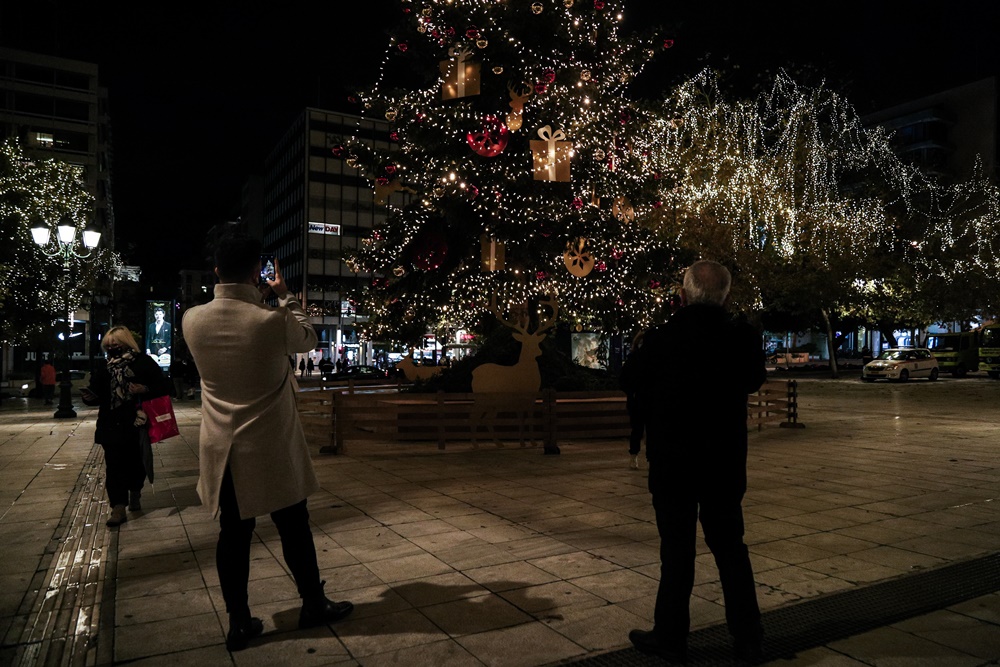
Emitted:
pixel 160 418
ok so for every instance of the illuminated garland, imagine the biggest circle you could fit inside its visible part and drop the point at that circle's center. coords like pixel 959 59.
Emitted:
pixel 792 178
pixel 31 292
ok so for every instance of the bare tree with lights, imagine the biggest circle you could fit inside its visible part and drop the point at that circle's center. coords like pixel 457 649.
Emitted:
pixel 514 168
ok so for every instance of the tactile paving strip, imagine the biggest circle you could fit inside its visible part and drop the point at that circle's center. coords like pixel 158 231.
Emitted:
pixel 819 621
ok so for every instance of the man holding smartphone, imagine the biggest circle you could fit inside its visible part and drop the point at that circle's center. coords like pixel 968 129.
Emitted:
pixel 254 459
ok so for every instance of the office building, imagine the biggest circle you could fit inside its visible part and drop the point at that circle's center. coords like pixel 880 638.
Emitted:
pixel 317 208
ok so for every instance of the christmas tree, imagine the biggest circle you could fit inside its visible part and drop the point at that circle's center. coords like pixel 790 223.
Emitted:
pixel 515 170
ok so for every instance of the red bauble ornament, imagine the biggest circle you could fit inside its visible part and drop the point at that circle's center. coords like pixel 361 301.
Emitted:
pixel 548 76
pixel 540 88
pixel 617 254
pixel 541 275
pixel 382 180
pixel 601 266
pixel 472 32
pixel 657 204
pixel 598 4
pixel 577 203
pixel 654 284
pixel 429 250
pixel 624 117
pixel 394 135
pixel 473 192
pixel 403 46
pixel 338 150
pixel 491 139
pixel 668 43
pixel 390 169
pixel 450 32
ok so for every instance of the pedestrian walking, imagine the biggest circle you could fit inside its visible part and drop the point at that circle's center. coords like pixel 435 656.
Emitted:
pixel 310 366
pixel 118 386
pixel 302 368
pixel 48 380
pixel 254 459
pixel 696 446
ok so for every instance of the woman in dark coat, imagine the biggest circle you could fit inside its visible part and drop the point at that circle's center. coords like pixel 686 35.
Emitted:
pixel 128 378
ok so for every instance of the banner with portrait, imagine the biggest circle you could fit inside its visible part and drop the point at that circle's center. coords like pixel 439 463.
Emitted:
pixel 159 336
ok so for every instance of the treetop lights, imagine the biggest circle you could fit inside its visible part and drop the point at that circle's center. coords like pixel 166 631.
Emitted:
pixel 511 132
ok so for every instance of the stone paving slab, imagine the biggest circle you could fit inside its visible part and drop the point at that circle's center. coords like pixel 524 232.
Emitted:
pixel 507 557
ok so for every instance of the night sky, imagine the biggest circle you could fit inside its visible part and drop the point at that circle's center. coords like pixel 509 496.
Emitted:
pixel 200 95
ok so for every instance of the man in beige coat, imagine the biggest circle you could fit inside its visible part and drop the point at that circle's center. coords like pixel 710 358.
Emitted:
pixel 253 454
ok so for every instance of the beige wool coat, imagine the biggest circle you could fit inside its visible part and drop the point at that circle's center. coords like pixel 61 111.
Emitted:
pixel 249 418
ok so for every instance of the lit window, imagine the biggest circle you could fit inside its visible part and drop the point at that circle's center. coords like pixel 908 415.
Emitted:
pixel 43 139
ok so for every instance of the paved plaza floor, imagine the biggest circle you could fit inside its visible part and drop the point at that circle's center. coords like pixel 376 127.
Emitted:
pixel 503 556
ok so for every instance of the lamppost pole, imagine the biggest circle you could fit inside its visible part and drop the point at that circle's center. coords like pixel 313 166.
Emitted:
pixel 65 408
pixel 66 248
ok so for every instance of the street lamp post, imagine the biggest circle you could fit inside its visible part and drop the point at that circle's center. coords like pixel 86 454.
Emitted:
pixel 66 248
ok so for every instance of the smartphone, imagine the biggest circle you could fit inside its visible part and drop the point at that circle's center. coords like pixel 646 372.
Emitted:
pixel 266 267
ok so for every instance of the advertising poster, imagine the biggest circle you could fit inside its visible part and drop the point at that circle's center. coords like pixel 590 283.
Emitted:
pixel 160 331
pixel 586 349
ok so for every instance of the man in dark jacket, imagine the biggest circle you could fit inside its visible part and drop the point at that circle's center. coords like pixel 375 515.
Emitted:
pixel 692 376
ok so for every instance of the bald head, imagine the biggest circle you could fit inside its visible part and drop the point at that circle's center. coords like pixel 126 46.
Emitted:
pixel 708 282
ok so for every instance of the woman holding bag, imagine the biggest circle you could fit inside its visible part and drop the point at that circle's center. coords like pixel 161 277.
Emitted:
pixel 118 387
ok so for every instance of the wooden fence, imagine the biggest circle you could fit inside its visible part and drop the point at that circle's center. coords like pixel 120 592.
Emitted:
pixel 333 417
pixel 777 401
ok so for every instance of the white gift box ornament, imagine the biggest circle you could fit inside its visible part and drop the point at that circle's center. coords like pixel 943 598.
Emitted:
pixel 461 77
pixel 551 155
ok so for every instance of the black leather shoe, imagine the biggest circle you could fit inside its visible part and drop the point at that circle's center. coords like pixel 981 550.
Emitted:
pixel 322 612
pixel 240 634
pixel 748 651
pixel 646 642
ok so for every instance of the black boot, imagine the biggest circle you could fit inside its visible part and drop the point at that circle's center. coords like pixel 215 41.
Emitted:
pixel 647 642
pixel 241 631
pixel 318 610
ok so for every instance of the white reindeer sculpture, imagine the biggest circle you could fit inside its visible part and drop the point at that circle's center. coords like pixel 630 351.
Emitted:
pixel 521 378
pixel 414 372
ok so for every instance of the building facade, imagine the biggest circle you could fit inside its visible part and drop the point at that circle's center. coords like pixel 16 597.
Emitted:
pixel 56 108
pixel 944 133
pixel 317 208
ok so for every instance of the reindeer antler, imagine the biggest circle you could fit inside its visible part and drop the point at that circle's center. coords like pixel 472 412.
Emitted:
pixel 546 323
pixel 516 326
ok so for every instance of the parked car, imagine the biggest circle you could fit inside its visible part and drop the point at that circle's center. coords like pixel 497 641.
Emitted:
pixel 902 364
pixel 356 373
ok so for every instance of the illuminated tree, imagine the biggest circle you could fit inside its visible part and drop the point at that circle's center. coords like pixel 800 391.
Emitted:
pixel 511 138
pixel 32 290
pixel 814 211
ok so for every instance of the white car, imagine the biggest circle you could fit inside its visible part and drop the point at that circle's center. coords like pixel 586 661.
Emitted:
pixel 902 364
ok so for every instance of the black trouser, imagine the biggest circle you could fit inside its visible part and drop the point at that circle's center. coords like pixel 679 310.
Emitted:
pixel 124 471
pixel 636 424
pixel 678 506
pixel 232 554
